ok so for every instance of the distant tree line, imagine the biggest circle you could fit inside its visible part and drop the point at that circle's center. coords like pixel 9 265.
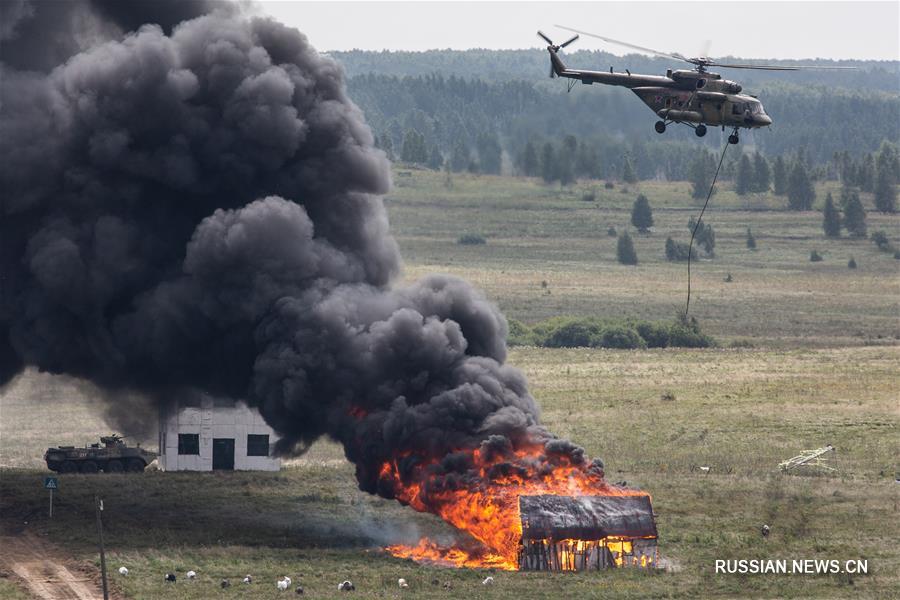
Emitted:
pixel 467 119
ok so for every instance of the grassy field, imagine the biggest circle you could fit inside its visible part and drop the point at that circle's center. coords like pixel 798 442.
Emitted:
pixel 539 233
pixel 738 411
pixel 817 365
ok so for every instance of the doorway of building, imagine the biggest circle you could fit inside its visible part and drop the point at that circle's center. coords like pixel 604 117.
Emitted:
pixel 223 454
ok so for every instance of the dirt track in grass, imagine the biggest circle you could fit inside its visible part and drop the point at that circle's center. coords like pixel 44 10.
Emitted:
pixel 45 572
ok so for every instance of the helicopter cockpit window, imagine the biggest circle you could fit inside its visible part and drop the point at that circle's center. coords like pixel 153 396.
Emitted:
pixel 756 108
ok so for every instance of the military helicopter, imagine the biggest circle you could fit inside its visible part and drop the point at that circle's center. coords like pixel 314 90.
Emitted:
pixel 695 97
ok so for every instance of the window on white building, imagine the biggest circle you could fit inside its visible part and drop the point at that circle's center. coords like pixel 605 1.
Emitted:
pixel 257 445
pixel 188 443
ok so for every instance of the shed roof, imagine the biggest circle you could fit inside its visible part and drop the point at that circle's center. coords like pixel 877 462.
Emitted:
pixel 586 517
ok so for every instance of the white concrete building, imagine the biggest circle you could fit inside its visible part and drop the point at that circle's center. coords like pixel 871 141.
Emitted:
pixel 206 433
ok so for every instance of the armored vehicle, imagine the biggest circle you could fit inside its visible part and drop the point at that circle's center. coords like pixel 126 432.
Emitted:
pixel 111 455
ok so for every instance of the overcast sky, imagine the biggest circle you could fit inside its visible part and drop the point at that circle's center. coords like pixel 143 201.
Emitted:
pixel 835 30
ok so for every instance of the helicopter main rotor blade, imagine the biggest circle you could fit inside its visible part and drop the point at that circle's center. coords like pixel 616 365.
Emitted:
pixel 778 67
pixel 567 42
pixel 626 44
pixel 545 38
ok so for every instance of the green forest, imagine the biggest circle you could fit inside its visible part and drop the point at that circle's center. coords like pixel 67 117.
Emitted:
pixel 498 112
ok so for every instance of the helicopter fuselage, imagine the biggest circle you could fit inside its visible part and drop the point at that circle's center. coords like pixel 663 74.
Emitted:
pixel 694 97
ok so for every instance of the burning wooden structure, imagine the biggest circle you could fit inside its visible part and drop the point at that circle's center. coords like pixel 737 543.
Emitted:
pixel 566 533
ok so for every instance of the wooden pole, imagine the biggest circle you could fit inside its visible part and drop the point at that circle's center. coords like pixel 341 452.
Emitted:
pixel 99 504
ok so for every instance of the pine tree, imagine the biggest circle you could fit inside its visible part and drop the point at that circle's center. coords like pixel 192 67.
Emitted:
pixel 867 174
pixel 587 164
pixel 413 149
pixel 705 236
pixel 448 175
pixel 671 249
pixel 700 173
pixel 435 159
pixel 751 241
pixel 885 192
pixel 762 175
pixel 888 160
pixel 831 221
pixel 642 214
pixel 459 159
pixel 530 164
pixel 565 160
pixel 854 215
pixel 625 250
pixel 779 177
pixel 565 169
pixel 743 183
pixel 387 145
pixel 548 163
pixel 489 153
pixel 628 174
pixel 801 194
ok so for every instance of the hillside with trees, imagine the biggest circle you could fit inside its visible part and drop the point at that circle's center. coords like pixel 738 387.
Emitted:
pixel 494 112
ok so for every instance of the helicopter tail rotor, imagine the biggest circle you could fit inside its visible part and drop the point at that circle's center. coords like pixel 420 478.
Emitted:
pixel 555 63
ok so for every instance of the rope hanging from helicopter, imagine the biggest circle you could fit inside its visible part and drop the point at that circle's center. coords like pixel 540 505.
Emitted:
pixel 712 186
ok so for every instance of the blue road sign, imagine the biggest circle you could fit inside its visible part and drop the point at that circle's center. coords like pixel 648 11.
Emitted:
pixel 51 483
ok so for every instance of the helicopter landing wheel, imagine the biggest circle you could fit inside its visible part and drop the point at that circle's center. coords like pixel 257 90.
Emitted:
pixel 660 127
pixel 700 130
pixel 733 138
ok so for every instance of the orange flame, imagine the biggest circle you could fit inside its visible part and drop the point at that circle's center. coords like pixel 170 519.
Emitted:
pixel 488 508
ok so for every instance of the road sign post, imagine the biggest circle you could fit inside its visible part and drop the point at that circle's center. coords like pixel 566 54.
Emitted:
pixel 51 483
pixel 99 504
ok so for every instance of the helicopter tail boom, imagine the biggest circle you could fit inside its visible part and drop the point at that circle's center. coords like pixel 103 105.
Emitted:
pixel 556 64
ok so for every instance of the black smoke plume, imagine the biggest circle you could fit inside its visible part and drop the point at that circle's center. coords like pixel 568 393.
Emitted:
pixel 198 207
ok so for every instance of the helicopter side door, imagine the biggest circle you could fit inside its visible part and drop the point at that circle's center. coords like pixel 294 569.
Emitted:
pixel 735 111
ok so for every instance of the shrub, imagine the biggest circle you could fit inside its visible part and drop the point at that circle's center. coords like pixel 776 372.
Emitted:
pixel 667 396
pixel 656 335
pixel 851 264
pixel 611 232
pixel 728 278
pixel 471 239
pixel 609 185
pixel 685 333
pixel 588 197
pixel 881 240
pixel 815 257
pixel 621 337
pixel 676 251
pixel 575 334
pixel 625 250
pixel 519 334
pixel 705 236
